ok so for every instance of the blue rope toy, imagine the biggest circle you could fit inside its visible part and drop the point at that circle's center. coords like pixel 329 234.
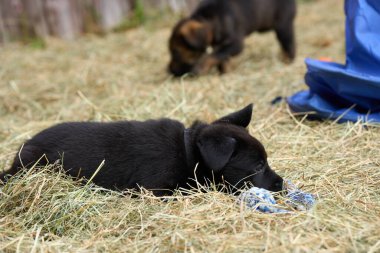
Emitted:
pixel 263 201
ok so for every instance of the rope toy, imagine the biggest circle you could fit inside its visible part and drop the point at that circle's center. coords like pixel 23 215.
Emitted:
pixel 263 201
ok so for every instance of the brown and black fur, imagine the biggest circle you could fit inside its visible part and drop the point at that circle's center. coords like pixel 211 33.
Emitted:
pixel 222 25
pixel 158 155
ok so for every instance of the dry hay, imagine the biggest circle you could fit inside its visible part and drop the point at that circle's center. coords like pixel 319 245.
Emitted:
pixel 122 76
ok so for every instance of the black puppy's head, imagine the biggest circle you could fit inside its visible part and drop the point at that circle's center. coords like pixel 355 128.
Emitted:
pixel 232 155
pixel 187 44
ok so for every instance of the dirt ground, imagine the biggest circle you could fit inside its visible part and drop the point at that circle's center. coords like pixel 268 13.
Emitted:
pixel 123 76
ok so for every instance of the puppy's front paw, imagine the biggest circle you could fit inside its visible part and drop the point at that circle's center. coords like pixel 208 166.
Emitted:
pixel 204 65
pixel 225 67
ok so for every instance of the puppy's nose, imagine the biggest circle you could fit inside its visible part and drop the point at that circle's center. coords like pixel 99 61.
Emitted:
pixel 277 185
pixel 172 69
pixel 179 69
pixel 175 69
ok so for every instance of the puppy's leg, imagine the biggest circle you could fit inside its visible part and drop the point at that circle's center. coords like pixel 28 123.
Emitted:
pixel 225 53
pixel 219 58
pixel 205 64
pixel 224 67
pixel 285 35
pixel 26 157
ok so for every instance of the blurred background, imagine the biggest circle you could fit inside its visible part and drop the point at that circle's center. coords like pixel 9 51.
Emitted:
pixel 107 60
pixel 34 20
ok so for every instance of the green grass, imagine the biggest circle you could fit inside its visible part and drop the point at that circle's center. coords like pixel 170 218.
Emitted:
pixel 123 76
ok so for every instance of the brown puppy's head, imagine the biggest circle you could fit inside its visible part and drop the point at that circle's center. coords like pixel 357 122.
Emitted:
pixel 233 155
pixel 187 44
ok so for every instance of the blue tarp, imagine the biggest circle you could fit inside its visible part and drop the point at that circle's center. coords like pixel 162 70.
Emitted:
pixel 347 92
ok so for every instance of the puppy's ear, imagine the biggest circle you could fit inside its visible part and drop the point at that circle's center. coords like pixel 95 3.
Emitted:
pixel 239 118
pixel 216 152
pixel 196 34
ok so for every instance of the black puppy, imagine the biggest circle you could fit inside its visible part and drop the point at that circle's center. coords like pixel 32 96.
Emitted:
pixel 159 155
pixel 222 26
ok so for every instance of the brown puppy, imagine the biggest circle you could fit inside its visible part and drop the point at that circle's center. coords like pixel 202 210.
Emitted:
pixel 216 30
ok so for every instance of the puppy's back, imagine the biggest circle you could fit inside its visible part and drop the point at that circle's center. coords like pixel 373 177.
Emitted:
pixel 132 150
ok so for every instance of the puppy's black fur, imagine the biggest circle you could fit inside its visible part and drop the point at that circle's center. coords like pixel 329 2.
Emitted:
pixel 159 155
pixel 223 25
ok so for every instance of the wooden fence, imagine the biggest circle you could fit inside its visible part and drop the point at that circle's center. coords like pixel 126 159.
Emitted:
pixel 67 19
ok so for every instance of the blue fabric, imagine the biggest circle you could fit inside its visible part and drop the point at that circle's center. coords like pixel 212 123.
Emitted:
pixel 347 92
pixel 263 201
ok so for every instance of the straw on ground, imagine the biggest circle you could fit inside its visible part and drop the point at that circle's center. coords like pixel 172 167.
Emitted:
pixel 122 76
